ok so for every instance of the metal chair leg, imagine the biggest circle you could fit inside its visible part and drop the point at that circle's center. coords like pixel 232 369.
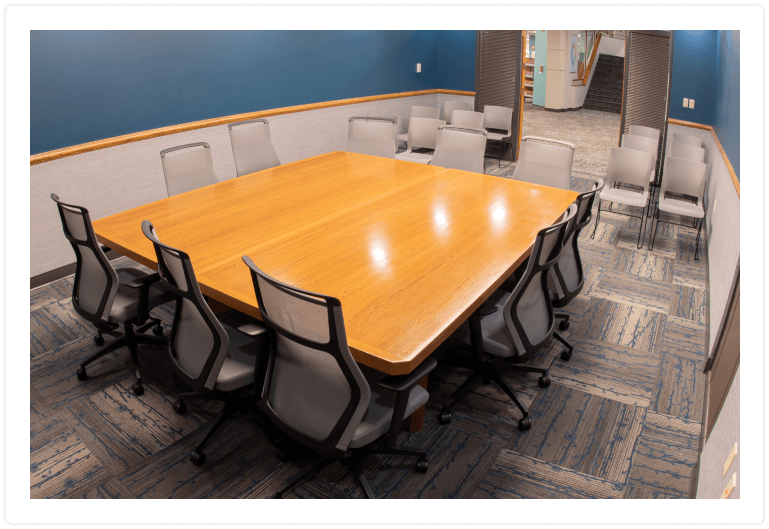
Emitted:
pixel 301 476
pixel 357 471
pixel 697 243
pixel 655 226
pixel 597 218
pixel 641 230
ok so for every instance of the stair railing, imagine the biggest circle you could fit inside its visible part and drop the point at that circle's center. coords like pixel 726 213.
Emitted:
pixel 584 75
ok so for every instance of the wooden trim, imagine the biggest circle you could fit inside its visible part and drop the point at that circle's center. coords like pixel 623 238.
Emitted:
pixel 592 57
pixel 700 126
pixel 194 125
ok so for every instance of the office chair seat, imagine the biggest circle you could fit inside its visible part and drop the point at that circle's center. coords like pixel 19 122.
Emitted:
pixel 497 339
pixel 239 365
pixel 494 136
pixel 126 304
pixel 625 196
pixel 376 420
pixel 681 207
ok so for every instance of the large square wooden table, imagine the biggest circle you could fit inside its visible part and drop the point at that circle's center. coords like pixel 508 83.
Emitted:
pixel 410 250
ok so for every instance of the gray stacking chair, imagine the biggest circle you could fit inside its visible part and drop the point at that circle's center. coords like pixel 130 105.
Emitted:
pixel 547 165
pixel 687 178
pixel 567 276
pixel 627 166
pixel 423 133
pixel 460 148
pixel 252 146
pixel 686 139
pixel 645 144
pixel 450 106
pixel 109 297
pixel 216 356
pixel 467 118
pixel 514 326
pixel 188 167
pixel 498 119
pixel 372 135
pixel 316 393
pixel 648 132
pixel 420 112
pixel 690 152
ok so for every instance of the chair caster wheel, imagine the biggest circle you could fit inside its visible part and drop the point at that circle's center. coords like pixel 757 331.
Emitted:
pixel 566 356
pixel 98 340
pixel 544 381
pixel 524 424
pixel 157 330
pixel 197 458
pixel 444 417
pixel 81 374
pixel 422 465
pixel 138 389
pixel 563 325
pixel 179 407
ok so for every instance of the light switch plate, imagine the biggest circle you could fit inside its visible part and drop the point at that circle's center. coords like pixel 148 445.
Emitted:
pixel 691 103
pixel 686 102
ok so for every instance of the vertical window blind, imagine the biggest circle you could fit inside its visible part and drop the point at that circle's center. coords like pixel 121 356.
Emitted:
pixel 497 73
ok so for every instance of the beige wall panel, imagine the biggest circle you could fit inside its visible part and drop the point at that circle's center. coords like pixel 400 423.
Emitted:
pixel 555 89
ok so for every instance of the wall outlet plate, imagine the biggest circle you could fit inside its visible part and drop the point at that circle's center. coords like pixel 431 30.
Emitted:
pixel 419 67
pixel 686 102
pixel 691 103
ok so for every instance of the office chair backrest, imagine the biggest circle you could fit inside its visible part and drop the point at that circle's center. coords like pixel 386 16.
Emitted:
pixel 450 106
pixel 686 139
pixel 547 165
pixel 629 166
pixel 188 167
pixel 372 135
pixel 500 118
pixel 460 148
pixel 313 389
pixel 96 282
pixel 685 177
pixel 198 343
pixel 567 274
pixel 648 132
pixel 252 146
pixel 690 152
pixel 528 311
pixel 467 118
pixel 423 132
pixel 425 112
pixel 641 143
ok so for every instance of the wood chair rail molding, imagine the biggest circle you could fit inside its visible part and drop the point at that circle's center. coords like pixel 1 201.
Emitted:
pixel 700 126
pixel 194 125
pixel 586 73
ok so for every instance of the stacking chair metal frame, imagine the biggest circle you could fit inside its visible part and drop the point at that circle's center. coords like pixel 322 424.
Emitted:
pixel 131 337
pixel 542 169
pixel 272 156
pixel 697 200
pixel 327 450
pixel 483 368
pixel 439 153
pixel 491 126
pixel 392 120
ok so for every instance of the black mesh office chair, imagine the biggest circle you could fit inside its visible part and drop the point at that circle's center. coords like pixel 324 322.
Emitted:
pixel 316 393
pixel 217 356
pixel 108 297
pixel 513 326
pixel 567 276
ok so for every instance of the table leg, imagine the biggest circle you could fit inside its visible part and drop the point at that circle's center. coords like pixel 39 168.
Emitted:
pixel 417 419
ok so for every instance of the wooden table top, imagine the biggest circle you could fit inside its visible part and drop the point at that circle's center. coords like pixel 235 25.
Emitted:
pixel 410 250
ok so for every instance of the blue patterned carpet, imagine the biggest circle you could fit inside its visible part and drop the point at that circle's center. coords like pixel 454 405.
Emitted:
pixel 620 420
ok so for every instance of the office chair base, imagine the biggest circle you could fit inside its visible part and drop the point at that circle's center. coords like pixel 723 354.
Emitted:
pixel 138 388
pixel 98 340
pixel 179 407
pixel 544 381
pixel 564 325
pixel 566 356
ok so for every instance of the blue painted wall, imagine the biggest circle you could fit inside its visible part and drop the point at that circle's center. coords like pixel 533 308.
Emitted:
pixel 694 70
pixel 89 85
pixel 457 60
pixel 726 115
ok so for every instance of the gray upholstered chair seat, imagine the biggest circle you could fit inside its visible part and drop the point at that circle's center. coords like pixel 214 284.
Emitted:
pixel 497 137
pixel 376 420
pixel 239 366
pixel 126 304
pixel 497 339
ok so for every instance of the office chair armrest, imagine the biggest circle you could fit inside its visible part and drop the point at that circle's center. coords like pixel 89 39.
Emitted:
pixel 403 382
pixel 485 310
pixel 253 329
pixel 143 282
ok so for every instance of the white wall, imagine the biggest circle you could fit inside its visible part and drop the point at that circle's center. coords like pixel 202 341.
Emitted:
pixel 112 180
